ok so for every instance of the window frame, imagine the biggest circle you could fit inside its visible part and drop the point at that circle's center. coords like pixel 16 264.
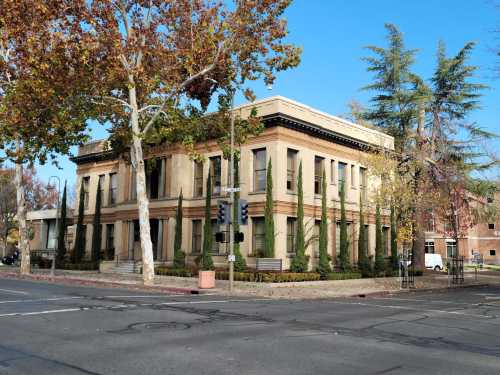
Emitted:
pixel 86 192
pixel 291 172
pixel 216 178
pixel 259 171
pixel 197 179
pixel 291 235
pixel 196 238
pixel 113 190
pixel 261 236
pixel 319 162
pixel 341 177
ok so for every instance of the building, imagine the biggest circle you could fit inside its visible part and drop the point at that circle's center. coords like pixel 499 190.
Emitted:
pixel 293 133
pixel 482 240
pixel 42 229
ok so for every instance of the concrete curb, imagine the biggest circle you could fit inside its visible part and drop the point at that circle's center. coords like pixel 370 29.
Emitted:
pixel 102 283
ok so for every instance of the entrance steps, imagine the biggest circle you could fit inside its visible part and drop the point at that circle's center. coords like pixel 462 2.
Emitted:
pixel 124 268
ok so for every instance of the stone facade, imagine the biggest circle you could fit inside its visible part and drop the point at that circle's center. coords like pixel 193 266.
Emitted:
pixel 294 133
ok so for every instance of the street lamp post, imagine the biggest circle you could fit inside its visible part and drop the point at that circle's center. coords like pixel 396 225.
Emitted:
pixel 53 267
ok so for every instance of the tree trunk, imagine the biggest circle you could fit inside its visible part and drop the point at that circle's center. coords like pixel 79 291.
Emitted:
pixel 142 198
pixel 418 246
pixel 21 218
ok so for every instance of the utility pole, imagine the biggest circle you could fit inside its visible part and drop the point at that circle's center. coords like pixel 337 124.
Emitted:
pixel 231 201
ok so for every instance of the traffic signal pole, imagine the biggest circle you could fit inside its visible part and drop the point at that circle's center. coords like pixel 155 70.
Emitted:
pixel 231 201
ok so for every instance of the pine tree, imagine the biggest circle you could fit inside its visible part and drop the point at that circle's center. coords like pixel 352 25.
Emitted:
pixel 179 256
pixel 61 233
pixel 394 239
pixel 363 262
pixel 268 215
pixel 324 259
pixel 240 265
pixel 394 105
pixel 79 250
pixel 379 244
pixel 96 225
pixel 344 262
pixel 207 263
pixel 299 261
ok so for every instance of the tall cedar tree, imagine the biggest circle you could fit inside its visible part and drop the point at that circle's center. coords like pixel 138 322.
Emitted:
pixel 61 233
pixel 206 262
pixel 179 256
pixel 240 264
pixel 157 61
pixel 363 262
pixel 394 104
pixel 299 261
pixel 394 239
pixel 324 267
pixel 379 243
pixel 344 261
pixel 96 227
pixel 268 214
pixel 79 250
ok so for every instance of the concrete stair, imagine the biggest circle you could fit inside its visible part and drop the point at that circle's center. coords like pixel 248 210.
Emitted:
pixel 124 268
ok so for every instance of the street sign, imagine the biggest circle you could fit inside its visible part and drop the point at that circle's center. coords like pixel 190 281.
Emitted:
pixel 231 258
pixel 232 190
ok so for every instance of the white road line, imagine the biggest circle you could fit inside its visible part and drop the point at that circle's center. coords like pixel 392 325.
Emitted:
pixel 40 300
pixel 13 291
pixel 34 313
pixel 422 300
pixel 415 309
pixel 39 312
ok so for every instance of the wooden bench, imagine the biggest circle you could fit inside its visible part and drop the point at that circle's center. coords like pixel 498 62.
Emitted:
pixel 269 264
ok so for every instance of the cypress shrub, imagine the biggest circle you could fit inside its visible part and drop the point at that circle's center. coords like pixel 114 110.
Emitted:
pixel 344 262
pixel 207 263
pixel 61 233
pixel 240 265
pixel 96 227
pixel 394 240
pixel 324 259
pixel 363 262
pixel 179 256
pixel 268 214
pixel 379 247
pixel 299 261
pixel 79 249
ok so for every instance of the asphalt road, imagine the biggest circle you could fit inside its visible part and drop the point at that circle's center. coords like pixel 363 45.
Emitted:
pixel 55 329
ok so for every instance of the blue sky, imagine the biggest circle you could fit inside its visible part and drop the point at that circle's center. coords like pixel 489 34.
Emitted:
pixel 333 34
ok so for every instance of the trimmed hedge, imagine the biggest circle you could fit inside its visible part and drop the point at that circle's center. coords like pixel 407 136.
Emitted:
pixel 179 272
pixel 82 266
pixel 343 275
pixel 269 277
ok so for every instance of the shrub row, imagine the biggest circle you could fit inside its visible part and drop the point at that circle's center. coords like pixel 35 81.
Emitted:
pixel 82 266
pixel 269 277
pixel 179 272
pixel 343 275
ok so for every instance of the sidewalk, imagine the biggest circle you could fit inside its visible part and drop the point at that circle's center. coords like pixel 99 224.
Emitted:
pixel 297 290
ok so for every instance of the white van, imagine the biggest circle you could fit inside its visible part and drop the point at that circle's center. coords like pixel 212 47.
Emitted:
pixel 434 261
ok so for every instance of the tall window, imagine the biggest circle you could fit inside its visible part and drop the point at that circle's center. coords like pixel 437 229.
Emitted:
pixel 198 179
pixel 491 225
pixel 290 234
pixel 216 247
pixel 215 174
pixel 259 169
pixel 101 189
pixel 51 235
pixel 430 224
pixel 318 174
pixel 363 184
pixel 317 224
pixel 341 174
pixel 385 239
pixel 110 241
pixel 196 249
pixel 153 171
pixel 291 170
pixel 332 172
pixel 113 188
pixel 86 195
pixel 429 247
pixel 451 248
pixel 258 230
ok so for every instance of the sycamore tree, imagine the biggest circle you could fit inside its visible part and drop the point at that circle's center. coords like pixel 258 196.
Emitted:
pixel 156 63
pixel 41 108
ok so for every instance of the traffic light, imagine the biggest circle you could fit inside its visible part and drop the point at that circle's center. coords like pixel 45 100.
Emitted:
pixel 242 212
pixel 223 213
pixel 238 237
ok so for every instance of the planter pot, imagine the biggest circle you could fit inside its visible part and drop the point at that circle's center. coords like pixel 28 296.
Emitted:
pixel 206 279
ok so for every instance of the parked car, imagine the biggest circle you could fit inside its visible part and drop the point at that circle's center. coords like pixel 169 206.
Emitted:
pixel 9 260
pixel 434 261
